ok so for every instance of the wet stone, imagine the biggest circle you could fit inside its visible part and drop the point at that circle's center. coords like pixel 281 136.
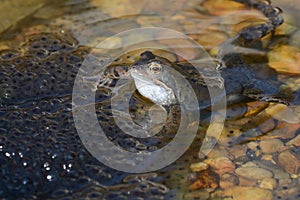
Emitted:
pixel 268 183
pixel 273 167
pixel 253 145
pixel 221 165
pixel 253 172
pixel 271 146
pixel 289 162
pixel 238 151
pixel 285 58
pixel 247 182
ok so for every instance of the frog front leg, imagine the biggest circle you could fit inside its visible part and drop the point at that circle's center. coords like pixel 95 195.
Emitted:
pixel 112 74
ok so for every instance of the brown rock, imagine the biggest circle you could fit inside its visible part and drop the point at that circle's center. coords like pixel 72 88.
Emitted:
pixel 289 162
pixel 246 181
pixel 268 183
pixel 271 146
pixel 266 124
pixel 253 172
pixel 238 151
pixel 253 145
pixel 222 165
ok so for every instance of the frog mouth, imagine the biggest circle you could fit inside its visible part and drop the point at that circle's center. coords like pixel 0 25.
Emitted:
pixel 140 77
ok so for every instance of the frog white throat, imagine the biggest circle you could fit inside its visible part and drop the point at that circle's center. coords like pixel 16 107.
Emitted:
pixel 158 93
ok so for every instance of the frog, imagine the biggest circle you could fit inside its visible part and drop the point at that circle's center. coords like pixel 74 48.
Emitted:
pixel 155 79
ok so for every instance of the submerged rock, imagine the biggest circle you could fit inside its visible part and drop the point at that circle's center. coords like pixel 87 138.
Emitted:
pixel 253 172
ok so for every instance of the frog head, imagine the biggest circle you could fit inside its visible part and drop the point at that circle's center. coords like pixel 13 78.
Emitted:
pixel 153 78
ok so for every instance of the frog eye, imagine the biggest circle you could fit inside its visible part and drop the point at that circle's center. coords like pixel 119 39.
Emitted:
pixel 155 68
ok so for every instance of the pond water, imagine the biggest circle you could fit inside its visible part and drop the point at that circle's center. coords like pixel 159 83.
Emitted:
pixel 44 43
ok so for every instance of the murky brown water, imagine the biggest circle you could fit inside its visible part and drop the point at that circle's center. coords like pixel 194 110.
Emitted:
pixel 264 166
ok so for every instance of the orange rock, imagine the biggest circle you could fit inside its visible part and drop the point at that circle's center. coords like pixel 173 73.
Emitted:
pixel 285 58
pixel 206 179
pixel 210 39
pixel 222 7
